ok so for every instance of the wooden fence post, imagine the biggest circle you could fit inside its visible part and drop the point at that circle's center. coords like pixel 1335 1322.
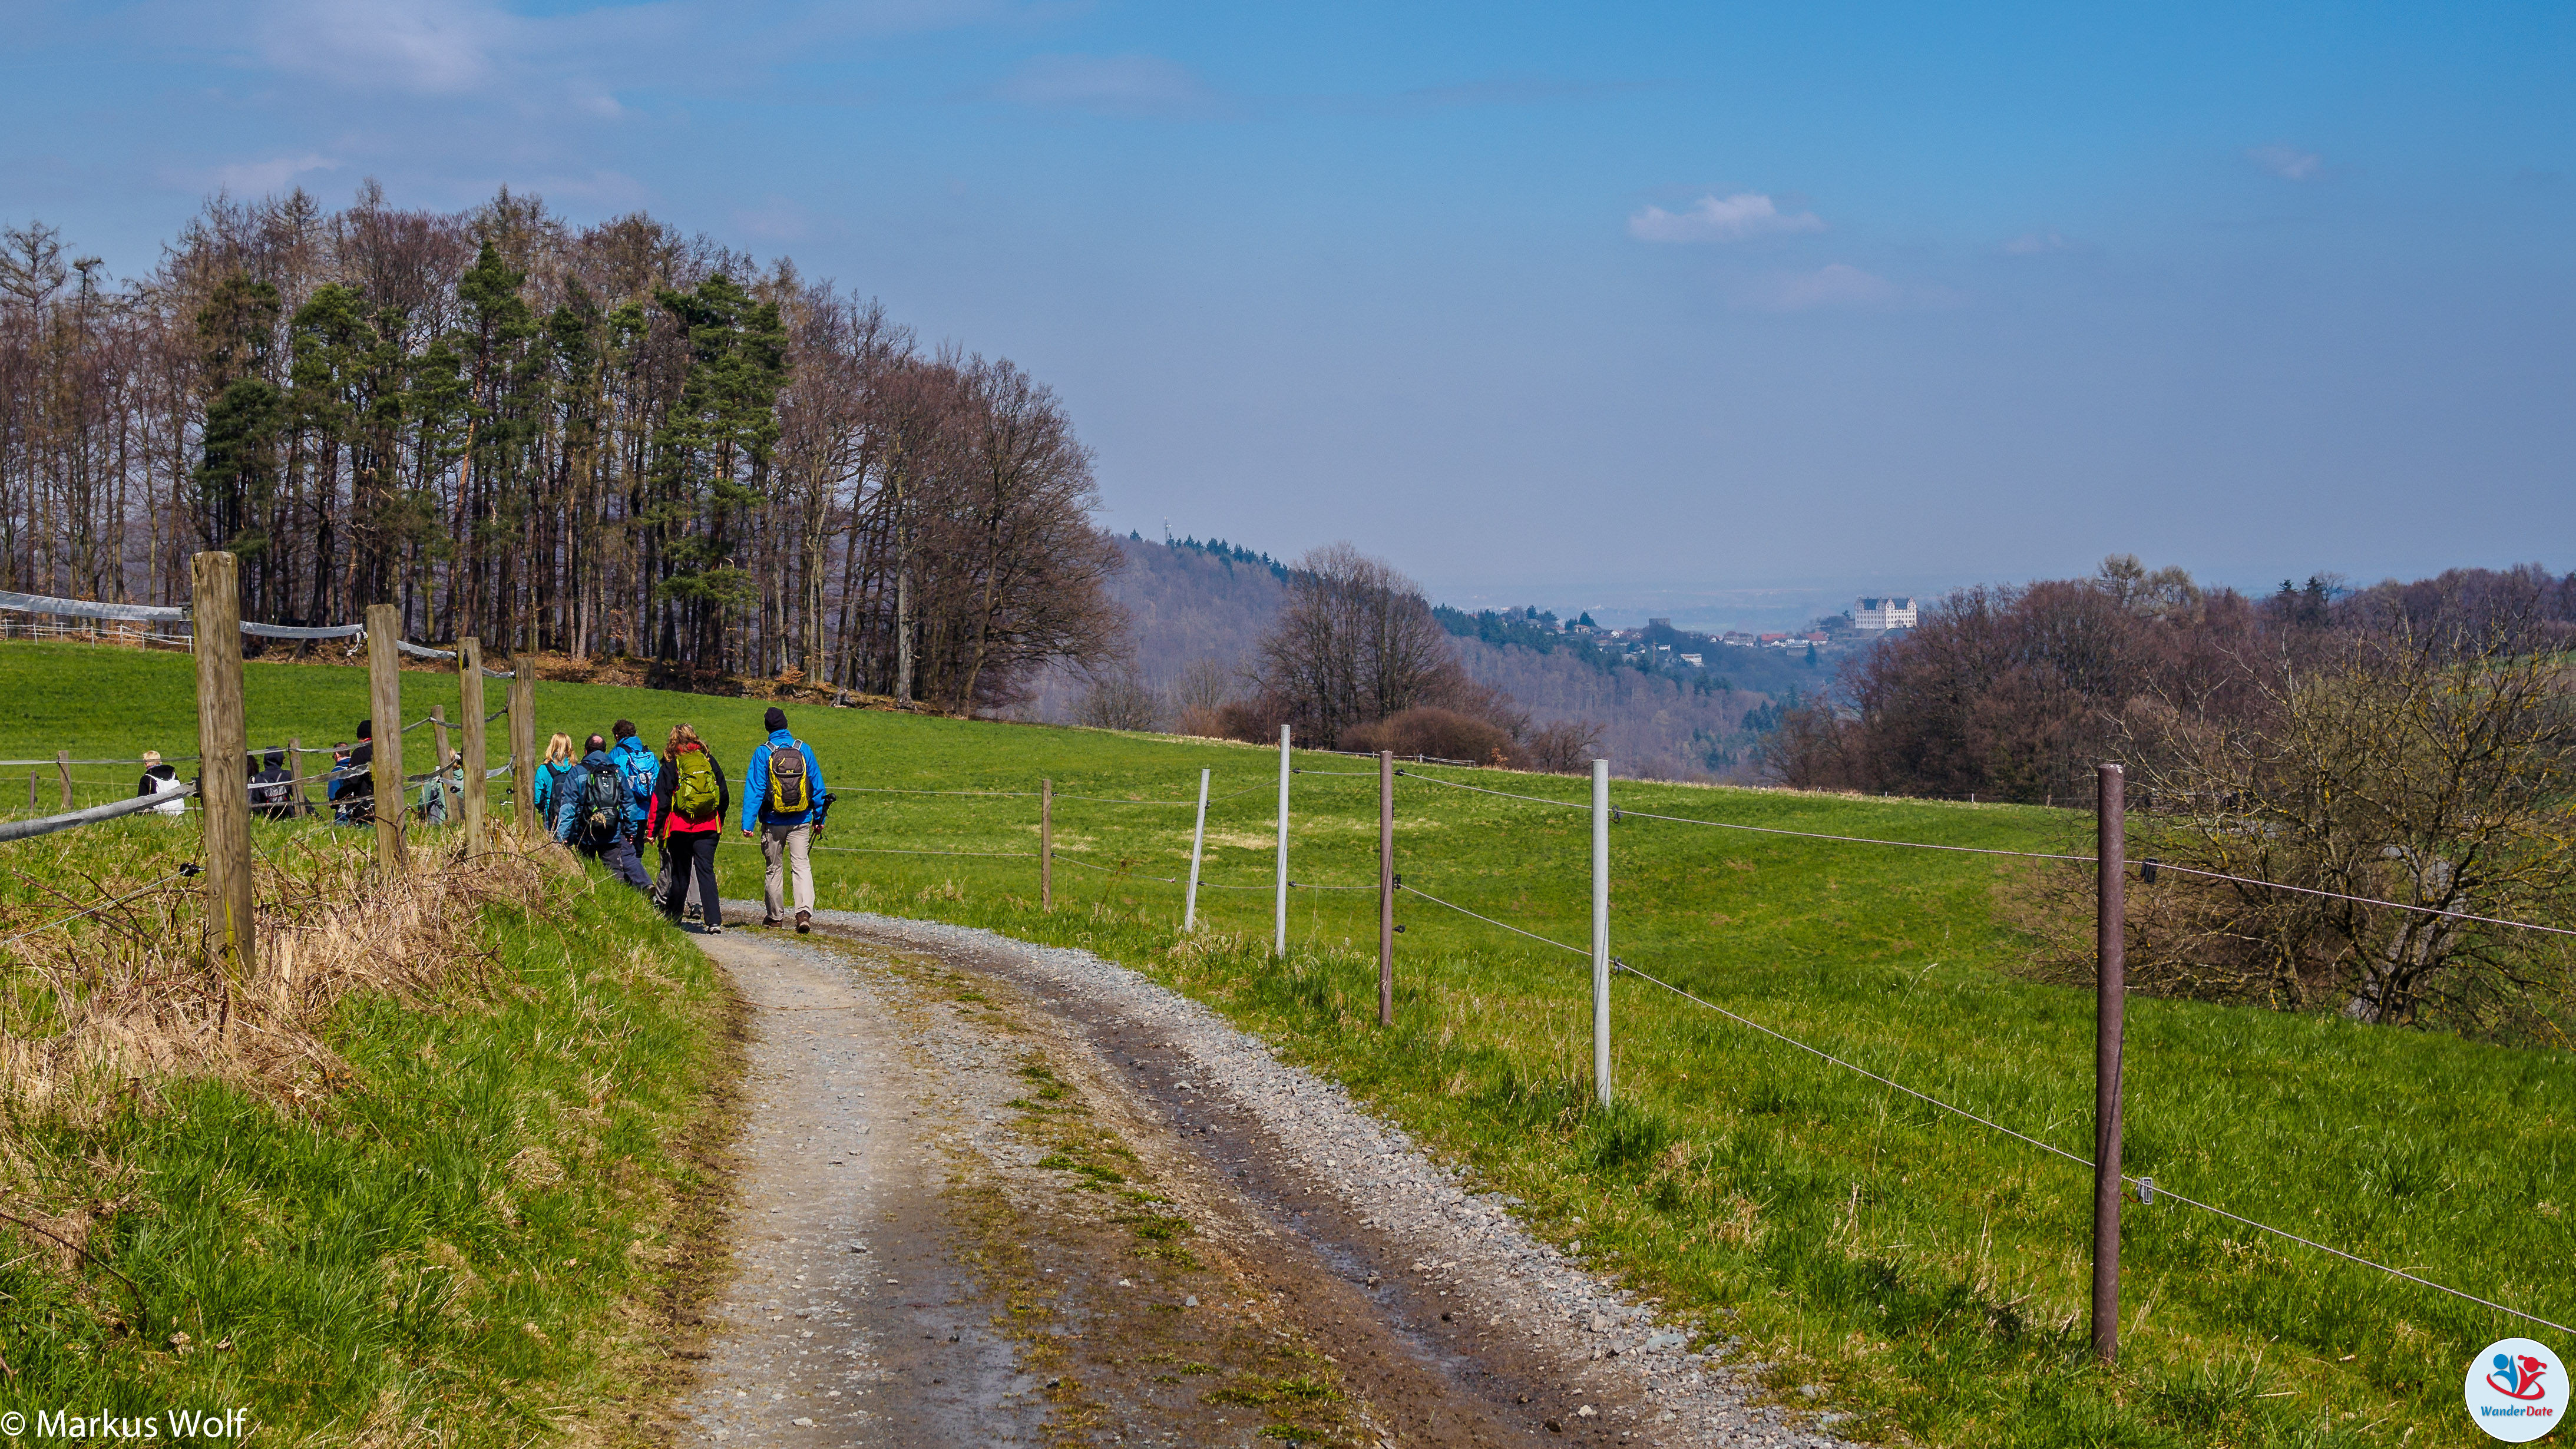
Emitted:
pixel 1046 845
pixel 2110 948
pixel 384 709
pixel 300 806
pixel 223 768
pixel 1386 887
pixel 523 743
pixel 469 692
pixel 63 767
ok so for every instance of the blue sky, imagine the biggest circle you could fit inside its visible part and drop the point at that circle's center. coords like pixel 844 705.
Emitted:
pixel 1689 308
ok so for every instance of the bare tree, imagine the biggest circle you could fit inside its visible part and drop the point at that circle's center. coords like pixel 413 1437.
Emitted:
pixel 2429 773
pixel 1119 700
pixel 1356 644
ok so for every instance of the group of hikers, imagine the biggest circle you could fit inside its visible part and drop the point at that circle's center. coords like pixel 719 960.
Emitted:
pixel 608 802
pixel 617 795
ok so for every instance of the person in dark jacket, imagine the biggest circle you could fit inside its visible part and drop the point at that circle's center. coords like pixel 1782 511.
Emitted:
pixel 159 779
pixel 690 829
pixel 353 782
pixel 614 848
pixel 272 790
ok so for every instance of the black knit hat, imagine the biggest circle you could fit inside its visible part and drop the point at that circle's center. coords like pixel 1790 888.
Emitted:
pixel 775 720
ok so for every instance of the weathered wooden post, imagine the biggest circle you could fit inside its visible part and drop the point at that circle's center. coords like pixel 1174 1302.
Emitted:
pixel 523 742
pixel 1046 845
pixel 2109 945
pixel 63 758
pixel 295 766
pixel 1386 887
pixel 469 693
pixel 384 709
pixel 223 765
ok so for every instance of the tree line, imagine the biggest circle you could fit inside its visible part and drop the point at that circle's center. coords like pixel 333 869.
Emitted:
pixel 587 440
pixel 2392 753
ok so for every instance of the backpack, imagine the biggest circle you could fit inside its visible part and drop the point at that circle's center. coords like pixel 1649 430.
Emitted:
pixel 563 801
pixel 643 776
pixel 270 789
pixel 696 797
pixel 603 806
pixel 790 792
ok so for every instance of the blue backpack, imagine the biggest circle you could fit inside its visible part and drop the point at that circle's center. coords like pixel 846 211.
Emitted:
pixel 643 772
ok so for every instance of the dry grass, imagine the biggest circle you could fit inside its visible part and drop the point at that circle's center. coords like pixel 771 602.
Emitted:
pixel 100 1007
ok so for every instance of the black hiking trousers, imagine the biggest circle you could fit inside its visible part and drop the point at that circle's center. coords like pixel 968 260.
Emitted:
pixel 693 850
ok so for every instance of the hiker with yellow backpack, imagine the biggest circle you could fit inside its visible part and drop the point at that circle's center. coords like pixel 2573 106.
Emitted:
pixel 687 816
pixel 782 794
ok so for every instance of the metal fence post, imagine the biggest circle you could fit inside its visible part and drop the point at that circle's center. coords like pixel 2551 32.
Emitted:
pixel 469 694
pixel 2111 850
pixel 1279 914
pixel 223 765
pixel 1198 843
pixel 1046 845
pixel 384 713
pixel 1386 887
pixel 1601 931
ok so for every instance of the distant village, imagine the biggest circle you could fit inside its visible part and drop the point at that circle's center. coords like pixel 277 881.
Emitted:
pixel 1871 620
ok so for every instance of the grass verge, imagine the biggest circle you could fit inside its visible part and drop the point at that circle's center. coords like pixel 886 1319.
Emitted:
pixel 454 1188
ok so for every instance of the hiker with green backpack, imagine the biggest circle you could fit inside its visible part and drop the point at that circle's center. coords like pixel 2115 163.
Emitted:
pixel 781 793
pixel 687 816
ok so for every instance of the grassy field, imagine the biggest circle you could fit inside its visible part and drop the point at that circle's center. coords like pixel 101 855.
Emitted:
pixel 460 1216
pixel 1917 1272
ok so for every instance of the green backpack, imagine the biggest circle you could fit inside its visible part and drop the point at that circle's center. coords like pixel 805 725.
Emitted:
pixel 698 794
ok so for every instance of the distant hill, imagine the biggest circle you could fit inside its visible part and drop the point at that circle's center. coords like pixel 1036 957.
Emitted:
pixel 1188 601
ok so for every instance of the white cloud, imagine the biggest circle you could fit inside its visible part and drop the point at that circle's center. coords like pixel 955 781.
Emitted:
pixel 267 178
pixel 2037 244
pixel 1109 85
pixel 1735 218
pixel 440 48
pixel 2288 162
pixel 1836 284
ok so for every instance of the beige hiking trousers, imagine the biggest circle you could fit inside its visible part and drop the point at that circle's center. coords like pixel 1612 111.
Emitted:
pixel 790 846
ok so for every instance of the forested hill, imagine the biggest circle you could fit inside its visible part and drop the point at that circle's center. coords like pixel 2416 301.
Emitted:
pixel 1189 603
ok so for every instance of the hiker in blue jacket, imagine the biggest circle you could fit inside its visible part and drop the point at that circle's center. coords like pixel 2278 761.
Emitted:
pixel 599 824
pixel 778 806
pixel 641 770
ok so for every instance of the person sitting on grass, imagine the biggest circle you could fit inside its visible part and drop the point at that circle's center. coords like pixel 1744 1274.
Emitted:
pixel 353 783
pixel 160 779
pixel 689 803
pixel 272 790
pixel 779 792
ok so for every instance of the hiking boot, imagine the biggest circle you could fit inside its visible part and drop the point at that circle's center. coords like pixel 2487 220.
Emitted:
pixel 712 931
pixel 804 922
pixel 773 922
pixel 697 912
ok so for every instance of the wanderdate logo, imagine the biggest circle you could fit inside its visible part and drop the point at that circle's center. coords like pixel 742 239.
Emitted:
pixel 2516 1390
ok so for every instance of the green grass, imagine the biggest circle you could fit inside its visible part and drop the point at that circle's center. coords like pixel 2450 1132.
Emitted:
pixel 463 1242
pixel 1928 1273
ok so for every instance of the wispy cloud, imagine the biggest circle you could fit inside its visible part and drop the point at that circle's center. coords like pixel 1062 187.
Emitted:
pixel 2288 162
pixel 1744 215
pixel 1110 85
pixel 2037 244
pixel 1836 284
pixel 446 47
pixel 266 178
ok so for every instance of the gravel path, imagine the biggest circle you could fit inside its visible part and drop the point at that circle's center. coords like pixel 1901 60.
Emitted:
pixel 1515 1318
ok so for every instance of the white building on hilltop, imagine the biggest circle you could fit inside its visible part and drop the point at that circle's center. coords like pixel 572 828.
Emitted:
pixel 1879 614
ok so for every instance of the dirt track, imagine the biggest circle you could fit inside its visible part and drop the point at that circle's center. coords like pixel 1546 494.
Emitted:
pixel 983 1202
